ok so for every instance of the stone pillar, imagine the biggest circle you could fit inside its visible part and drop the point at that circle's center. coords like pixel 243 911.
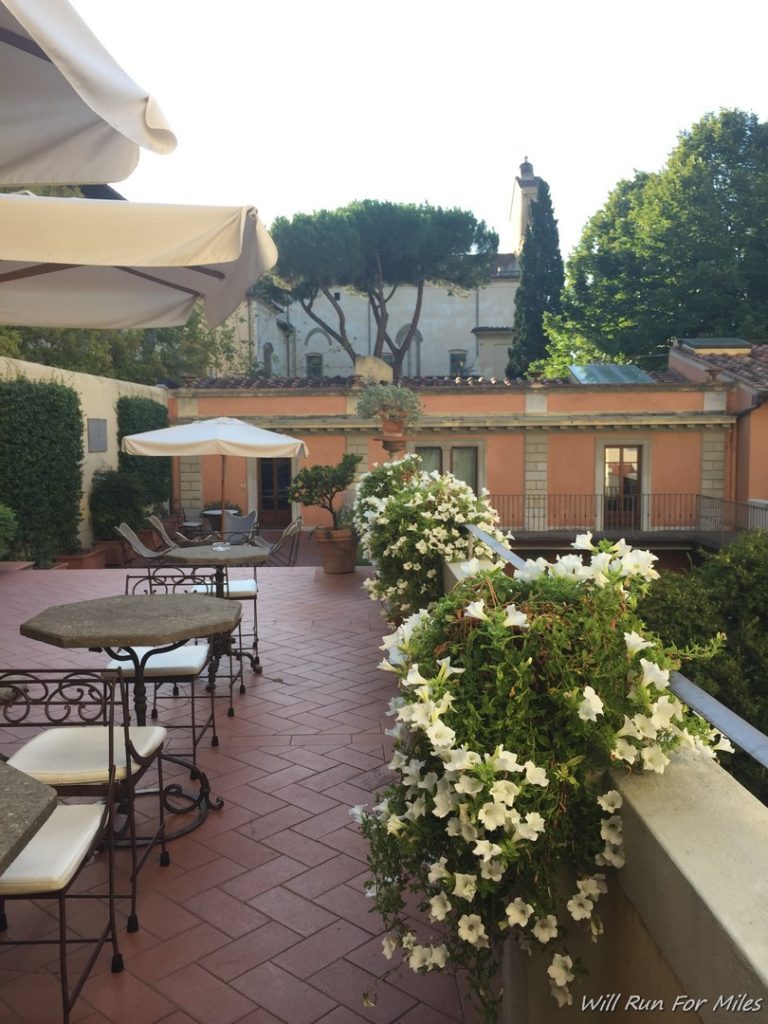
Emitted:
pixel 536 448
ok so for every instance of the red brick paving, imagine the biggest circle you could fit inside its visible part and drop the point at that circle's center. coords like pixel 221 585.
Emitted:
pixel 261 916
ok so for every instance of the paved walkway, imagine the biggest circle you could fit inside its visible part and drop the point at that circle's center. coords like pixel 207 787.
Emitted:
pixel 261 916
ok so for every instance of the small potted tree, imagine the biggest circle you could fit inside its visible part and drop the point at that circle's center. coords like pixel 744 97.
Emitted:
pixel 319 486
pixel 396 407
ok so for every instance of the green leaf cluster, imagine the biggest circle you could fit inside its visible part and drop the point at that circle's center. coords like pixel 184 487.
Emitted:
pixel 727 592
pixel 680 252
pixel 389 400
pixel 41 455
pixel 8 529
pixel 319 485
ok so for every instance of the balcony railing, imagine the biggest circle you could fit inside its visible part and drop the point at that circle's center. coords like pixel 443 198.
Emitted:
pixel 631 515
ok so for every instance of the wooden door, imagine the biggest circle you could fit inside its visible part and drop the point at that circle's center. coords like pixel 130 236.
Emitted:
pixel 623 487
pixel 274 506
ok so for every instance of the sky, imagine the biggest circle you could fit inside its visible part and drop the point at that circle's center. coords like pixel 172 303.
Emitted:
pixel 299 105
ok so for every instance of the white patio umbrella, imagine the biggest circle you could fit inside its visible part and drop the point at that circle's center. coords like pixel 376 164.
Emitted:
pixel 112 264
pixel 221 436
pixel 69 114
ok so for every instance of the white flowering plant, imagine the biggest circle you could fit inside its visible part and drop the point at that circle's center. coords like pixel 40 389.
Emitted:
pixel 516 694
pixel 409 522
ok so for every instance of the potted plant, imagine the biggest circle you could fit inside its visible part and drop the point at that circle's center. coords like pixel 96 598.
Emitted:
pixel 397 407
pixel 516 694
pixel 116 497
pixel 319 485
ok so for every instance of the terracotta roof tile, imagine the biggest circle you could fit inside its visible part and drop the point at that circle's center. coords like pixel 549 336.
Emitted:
pixel 751 369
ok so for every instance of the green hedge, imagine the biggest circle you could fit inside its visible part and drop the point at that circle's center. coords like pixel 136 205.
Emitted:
pixel 728 592
pixel 134 416
pixel 41 456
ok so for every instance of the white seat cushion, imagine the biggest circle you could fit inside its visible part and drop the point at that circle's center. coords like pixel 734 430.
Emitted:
pixel 78 755
pixel 184 661
pixel 235 589
pixel 50 859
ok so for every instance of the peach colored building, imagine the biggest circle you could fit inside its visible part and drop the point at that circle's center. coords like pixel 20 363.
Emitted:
pixel 664 454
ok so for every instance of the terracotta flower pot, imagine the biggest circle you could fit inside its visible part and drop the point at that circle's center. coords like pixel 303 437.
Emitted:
pixel 392 426
pixel 338 550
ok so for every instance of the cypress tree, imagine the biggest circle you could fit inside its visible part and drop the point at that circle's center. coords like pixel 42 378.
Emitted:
pixel 541 283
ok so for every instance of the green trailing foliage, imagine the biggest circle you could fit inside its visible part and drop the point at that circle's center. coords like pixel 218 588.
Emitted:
pixel 41 455
pixel 153 474
pixel 728 592
pixel 389 400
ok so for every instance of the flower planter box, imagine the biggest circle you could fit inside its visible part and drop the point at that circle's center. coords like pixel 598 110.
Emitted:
pixel 92 559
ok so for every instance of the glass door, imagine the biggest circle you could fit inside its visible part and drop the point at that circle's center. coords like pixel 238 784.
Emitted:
pixel 274 506
pixel 622 480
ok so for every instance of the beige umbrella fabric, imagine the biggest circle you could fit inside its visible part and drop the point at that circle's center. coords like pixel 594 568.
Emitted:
pixel 112 264
pixel 223 436
pixel 69 114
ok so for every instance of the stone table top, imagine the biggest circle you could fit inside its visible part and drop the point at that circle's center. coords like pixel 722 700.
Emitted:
pixel 25 804
pixel 206 554
pixel 133 620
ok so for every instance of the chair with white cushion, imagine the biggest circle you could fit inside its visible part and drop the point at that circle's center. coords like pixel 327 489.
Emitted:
pixel 72 746
pixel 48 867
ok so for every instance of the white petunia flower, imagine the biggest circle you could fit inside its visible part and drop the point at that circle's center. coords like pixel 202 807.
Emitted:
pixel 447 669
pixel 636 643
pixel 492 815
pixel 493 870
pixel 419 958
pixel 464 886
pixel 515 618
pixel 460 759
pixel 561 994
pixel 414 677
pixel 723 743
pixel 437 871
pixel 613 855
pixel 664 710
pixel 532 570
pixel 654 759
pixel 440 735
pixel 653 674
pixel 486 849
pixel 472 930
pixel 545 928
pixel 630 729
pixel 518 911
pixel 583 542
pixel 592 886
pixel 388 946
pixel 624 751
pixel 476 610
pixel 536 776
pixel 505 761
pixel 610 801
pixel 469 785
pixel 504 792
pixel 591 706
pixel 645 727
pixel 610 830
pixel 356 812
pixel 580 907
pixel 438 956
pixel 439 906
pixel 560 969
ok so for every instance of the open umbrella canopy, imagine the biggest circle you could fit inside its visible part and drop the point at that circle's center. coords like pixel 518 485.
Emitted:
pixel 112 264
pixel 221 436
pixel 69 114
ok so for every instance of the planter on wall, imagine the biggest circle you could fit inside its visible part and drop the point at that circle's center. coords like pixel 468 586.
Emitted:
pixel 114 552
pixel 392 426
pixel 337 549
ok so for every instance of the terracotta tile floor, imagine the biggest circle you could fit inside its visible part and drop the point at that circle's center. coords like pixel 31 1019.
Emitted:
pixel 261 916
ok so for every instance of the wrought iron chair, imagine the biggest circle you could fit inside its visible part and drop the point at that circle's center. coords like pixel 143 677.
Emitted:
pixel 73 717
pixel 239 529
pixel 184 665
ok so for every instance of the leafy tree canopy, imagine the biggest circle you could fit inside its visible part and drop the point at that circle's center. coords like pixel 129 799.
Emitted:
pixel 680 252
pixel 373 248
pixel 564 349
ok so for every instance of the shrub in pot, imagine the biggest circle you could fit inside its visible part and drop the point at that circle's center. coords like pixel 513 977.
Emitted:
pixel 319 486
pixel 397 407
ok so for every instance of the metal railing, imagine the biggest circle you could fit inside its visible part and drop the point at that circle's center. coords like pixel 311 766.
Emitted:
pixel 743 735
pixel 630 514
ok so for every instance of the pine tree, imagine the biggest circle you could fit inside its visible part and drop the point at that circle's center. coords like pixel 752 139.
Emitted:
pixel 541 283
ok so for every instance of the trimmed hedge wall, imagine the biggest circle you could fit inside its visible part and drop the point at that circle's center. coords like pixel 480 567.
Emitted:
pixel 41 457
pixel 134 416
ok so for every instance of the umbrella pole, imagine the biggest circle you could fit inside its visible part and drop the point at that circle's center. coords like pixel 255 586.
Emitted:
pixel 223 468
